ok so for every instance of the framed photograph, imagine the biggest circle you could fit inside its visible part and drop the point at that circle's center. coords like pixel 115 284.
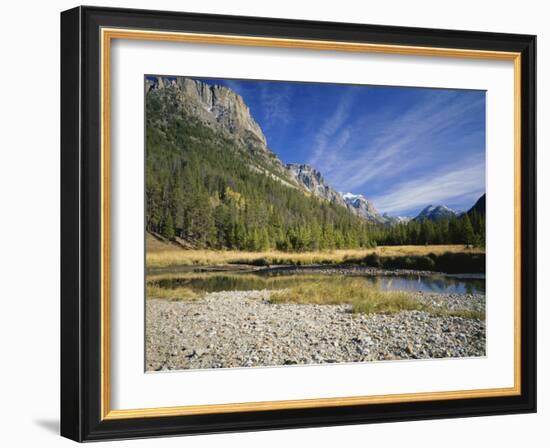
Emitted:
pixel 277 224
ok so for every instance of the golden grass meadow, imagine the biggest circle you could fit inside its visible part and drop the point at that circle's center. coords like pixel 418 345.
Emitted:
pixel 170 255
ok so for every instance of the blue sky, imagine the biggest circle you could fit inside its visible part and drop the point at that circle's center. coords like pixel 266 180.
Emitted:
pixel 403 148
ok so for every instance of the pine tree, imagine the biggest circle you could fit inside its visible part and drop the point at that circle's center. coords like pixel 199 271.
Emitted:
pixel 168 226
pixel 467 230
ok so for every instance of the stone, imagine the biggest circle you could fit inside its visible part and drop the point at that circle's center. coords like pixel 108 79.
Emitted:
pixel 213 332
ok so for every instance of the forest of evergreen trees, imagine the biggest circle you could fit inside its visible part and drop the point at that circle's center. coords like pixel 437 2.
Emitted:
pixel 469 228
pixel 200 187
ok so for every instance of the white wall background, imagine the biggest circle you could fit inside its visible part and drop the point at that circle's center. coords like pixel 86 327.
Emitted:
pixel 29 224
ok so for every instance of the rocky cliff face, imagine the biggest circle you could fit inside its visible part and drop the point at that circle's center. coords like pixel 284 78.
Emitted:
pixel 363 207
pixel 311 180
pixel 221 109
pixel 216 105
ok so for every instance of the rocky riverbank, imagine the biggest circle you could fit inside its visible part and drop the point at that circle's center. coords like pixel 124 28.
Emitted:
pixel 344 269
pixel 243 329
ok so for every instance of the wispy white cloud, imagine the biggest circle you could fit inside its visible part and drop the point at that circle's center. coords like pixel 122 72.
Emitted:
pixel 449 184
pixel 274 100
pixel 401 142
pixel 334 134
pixel 275 105
pixel 390 156
pixel 422 147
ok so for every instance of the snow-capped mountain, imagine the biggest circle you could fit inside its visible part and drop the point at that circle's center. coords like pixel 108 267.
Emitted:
pixel 392 220
pixel 436 213
pixel 362 207
pixel 312 181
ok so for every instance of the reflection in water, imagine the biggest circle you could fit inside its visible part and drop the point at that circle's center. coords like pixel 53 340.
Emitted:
pixel 433 283
pixel 216 281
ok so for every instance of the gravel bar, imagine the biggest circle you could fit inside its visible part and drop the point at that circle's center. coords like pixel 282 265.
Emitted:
pixel 243 329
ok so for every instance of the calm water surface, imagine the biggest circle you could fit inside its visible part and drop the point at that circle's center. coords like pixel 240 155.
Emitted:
pixel 434 283
pixel 233 281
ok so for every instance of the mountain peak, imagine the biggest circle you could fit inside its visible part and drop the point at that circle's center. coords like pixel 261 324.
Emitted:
pixel 308 177
pixel 303 168
pixel 479 206
pixel 351 196
pixel 312 181
pixel 436 213
pixel 395 219
pixel 363 207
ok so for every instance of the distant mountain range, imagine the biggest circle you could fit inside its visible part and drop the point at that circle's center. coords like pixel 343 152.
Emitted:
pixel 436 213
pixel 311 180
pixel 222 115
pixel 440 212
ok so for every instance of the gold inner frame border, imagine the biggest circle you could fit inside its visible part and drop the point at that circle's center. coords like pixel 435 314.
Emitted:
pixel 107 35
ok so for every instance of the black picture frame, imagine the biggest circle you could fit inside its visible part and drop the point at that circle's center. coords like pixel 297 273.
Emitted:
pixel 81 224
